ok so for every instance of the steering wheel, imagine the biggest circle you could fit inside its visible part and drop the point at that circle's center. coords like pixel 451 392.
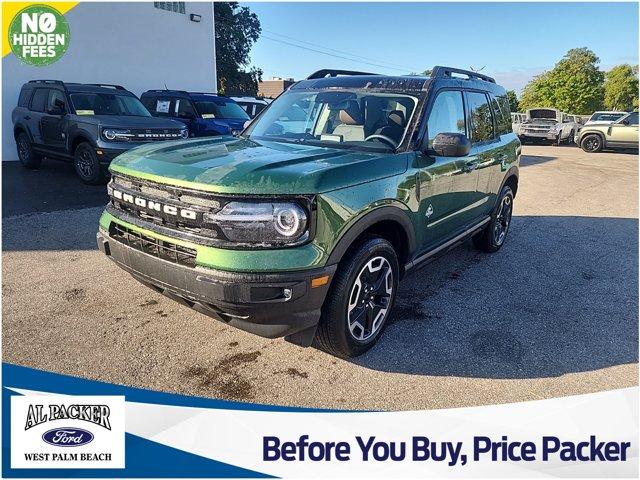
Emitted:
pixel 384 138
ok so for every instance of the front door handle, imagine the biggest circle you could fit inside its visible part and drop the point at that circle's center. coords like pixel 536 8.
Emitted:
pixel 470 166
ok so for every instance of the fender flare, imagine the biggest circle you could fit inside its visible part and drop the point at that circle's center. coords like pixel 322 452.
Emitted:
pixel 82 135
pixel 584 133
pixel 24 128
pixel 385 213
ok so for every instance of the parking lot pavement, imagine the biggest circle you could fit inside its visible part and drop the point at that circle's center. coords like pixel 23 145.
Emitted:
pixel 554 313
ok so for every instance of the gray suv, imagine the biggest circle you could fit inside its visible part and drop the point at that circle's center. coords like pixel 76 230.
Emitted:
pixel 88 124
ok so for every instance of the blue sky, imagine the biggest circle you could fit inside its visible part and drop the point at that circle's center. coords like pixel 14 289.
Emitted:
pixel 513 41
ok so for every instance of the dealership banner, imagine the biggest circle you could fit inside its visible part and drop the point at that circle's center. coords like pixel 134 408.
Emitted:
pixel 59 426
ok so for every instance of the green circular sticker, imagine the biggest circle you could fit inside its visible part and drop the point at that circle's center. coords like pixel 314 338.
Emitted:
pixel 39 35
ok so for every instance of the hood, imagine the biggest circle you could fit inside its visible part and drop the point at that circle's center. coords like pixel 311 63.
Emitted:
pixel 130 121
pixel 233 123
pixel 243 166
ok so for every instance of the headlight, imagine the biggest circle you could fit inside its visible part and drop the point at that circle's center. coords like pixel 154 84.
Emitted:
pixel 184 133
pixel 262 223
pixel 112 134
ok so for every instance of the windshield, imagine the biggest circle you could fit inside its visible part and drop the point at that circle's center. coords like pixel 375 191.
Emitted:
pixel 108 104
pixel 606 117
pixel 221 108
pixel 542 114
pixel 352 119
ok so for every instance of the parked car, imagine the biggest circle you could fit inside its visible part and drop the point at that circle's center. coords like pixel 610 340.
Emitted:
pixel 305 233
pixel 604 118
pixel 252 105
pixel 549 125
pixel 621 134
pixel 517 119
pixel 88 124
pixel 206 114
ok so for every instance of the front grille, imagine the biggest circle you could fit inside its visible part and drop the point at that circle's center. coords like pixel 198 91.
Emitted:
pixel 152 246
pixel 151 135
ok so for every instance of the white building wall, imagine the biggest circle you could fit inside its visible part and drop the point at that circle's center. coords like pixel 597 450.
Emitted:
pixel 133 44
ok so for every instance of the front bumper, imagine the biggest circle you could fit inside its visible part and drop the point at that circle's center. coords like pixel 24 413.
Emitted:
pixel 269 305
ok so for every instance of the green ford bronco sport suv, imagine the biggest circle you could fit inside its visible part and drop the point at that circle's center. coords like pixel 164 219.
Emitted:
pixel 303 226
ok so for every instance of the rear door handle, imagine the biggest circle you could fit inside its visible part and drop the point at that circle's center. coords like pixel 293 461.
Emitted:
pixel 27 117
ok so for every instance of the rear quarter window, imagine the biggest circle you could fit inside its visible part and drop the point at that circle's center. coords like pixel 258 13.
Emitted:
pixel 25 96
pixel 502 114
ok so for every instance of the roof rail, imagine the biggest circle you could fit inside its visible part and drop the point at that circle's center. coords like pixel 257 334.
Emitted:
pixel 334 73
pixel 117 87
pixel 168 90
pixel 55 82
pixel 439 71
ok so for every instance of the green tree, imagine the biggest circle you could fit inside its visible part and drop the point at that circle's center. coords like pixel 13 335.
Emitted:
pixel 574 85
pixel 513 101
pixel 236 30
pixel 621 88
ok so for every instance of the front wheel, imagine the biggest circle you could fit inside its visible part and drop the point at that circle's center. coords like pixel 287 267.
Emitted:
pixel 494 235
pixel 360 300
pixel 87 165
pixel 591 143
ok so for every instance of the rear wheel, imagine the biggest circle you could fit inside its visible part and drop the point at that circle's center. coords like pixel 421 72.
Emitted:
pixel 494 235
pixel 87 165
pixel 360 300
pixel 28 158
pixel 591 143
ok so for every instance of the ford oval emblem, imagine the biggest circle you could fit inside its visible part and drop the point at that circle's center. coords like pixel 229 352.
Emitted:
pixel 67 437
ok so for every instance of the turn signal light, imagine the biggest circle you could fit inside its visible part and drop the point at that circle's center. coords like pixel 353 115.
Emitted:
pixel 319 281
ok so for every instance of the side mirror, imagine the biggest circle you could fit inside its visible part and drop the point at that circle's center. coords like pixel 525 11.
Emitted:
pixel 626 122
pixel 451 145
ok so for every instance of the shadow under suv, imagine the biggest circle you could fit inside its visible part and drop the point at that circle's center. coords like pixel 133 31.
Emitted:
pixel 89 124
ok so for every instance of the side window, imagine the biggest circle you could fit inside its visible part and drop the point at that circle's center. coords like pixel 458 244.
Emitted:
pixel 184 108
pixel 481 117
pixel 53 96
pixel 158 106
pixel 25 96
pixel 447 115
pixel 39 100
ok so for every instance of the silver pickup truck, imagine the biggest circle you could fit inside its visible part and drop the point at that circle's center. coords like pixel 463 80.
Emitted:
pixel 548 125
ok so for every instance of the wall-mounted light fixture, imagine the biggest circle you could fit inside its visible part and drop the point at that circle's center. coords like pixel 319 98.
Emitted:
pixel 195 17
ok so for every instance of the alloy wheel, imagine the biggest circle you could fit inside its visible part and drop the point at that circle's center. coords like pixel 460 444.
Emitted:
pixel 23 150
pixel 84 162
pixel 503 220
pixel 370 299
pixel 592 143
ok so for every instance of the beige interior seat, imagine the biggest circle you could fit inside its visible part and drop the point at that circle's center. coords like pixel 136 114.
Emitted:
pixel 351 128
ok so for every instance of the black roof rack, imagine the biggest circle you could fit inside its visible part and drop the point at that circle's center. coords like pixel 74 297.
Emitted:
pixel 117 87
pixel 439 71
pixel 334 73
pixel 55 82
pixel 168 90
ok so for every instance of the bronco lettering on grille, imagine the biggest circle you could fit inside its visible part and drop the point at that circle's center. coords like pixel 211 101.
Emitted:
pixel 152 205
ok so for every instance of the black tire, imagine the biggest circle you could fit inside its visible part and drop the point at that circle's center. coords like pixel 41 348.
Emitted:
pixel 591 143
pixel 360 266
pixel 492 238
pixel 87 165
pixel 28 158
